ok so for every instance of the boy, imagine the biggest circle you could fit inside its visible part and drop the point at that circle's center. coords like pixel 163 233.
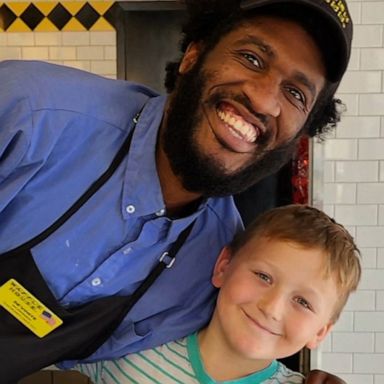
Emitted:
pixel 283 283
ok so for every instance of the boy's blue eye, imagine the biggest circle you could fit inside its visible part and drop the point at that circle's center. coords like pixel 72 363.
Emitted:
pixel 264 277
pixel 304 303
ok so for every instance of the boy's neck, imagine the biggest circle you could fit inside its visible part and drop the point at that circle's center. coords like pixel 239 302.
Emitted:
pixel 220 362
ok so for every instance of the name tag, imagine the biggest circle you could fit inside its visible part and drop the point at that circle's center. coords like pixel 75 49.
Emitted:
pixel 26 308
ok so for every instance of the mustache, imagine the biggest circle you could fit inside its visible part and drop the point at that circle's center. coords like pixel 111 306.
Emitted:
pixel 217 97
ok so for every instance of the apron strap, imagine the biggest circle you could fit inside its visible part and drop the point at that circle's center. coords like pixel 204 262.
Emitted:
pixel 93 188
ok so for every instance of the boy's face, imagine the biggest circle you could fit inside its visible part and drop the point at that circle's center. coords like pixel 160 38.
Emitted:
pixel 273 299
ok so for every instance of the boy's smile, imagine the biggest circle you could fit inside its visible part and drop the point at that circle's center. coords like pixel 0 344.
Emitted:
pixel 273 300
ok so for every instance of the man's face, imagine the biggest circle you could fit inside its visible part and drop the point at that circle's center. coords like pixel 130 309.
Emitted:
pixel 237 109
pixel 274 299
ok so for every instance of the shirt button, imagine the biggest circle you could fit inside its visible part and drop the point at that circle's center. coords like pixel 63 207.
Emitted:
pixel 96 281
pixel 130 209
pixel 161 212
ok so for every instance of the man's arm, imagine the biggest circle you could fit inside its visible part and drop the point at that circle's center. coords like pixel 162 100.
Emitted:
pixel 320 377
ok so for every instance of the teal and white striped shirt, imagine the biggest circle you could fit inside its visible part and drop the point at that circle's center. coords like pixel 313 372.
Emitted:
pixel 177 362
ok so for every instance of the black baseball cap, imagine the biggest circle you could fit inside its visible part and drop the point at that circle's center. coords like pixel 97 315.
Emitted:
pixel 333 22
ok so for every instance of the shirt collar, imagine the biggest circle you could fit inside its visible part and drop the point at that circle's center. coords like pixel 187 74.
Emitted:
pixel 142 191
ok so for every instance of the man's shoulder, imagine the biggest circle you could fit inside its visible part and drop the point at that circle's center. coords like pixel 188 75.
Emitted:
pixel 52 86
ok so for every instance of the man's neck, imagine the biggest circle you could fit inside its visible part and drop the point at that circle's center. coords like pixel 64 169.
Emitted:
pixel 220 362
pixel 178 200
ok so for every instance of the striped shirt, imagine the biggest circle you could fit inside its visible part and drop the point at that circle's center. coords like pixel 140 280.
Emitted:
pixel 177 362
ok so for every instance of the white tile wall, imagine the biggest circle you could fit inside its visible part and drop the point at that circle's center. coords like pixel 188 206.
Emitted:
pixel 353 171
pixel 353 192
pixel 92 51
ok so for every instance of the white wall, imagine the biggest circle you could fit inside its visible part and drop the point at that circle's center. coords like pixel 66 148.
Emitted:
pixel 353 192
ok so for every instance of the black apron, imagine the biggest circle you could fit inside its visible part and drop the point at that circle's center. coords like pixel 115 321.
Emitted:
pixel 85 328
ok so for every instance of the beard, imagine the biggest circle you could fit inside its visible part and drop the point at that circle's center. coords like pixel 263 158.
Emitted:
pixel 202 173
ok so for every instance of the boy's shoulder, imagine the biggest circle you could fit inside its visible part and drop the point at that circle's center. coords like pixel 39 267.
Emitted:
pixel 284 375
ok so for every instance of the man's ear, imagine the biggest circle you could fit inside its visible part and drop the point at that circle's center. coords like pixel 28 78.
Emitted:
pixel 221 267
pixel 190 57
pixel 320 336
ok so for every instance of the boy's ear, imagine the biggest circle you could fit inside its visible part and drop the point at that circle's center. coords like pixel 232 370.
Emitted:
pixel 190 57
pixel 221 266
pixel 320 336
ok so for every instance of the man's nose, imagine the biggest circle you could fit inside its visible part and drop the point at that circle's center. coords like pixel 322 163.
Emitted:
pixel 272 304
pixel 264 94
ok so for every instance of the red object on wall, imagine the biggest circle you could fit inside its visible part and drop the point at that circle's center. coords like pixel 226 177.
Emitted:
pixel 300 173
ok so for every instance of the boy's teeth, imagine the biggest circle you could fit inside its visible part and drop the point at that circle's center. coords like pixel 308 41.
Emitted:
pixel 239 127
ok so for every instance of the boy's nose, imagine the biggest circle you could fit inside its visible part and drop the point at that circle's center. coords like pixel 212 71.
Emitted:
pixel 272 305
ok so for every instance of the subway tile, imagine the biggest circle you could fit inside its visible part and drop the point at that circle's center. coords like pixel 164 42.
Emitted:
pixel 21 39
pixel 367 36
pixel 329 171
pixel 345 322
pixel 379 342
pixel 356 171
pixel 361 82
pixel 356 214
pixel 76 38
pixel 355 60
pixel 361 300
pixel 368 257
pixel 371 149
pixel 110 53
pixel 353 342
pixel 340 149
pixel 358 127
pixel 372 279
pixel 340 193
pixel 62 53
pixel 379 379
pixel 103 67
pixel 380 257
pixel 351 102
pixel 103 38
pixel 355 11
pixel 340 362
pixel 369 321
pixel 368 363
pixel 372 58
pixel 90 53
pixel 370 193
pixel 381 214
pixel 372 12
pixel 48 38
pixel 8 53
pixel 35 53
pixel 79 64
pixel 370 237
pixel 381 170
pixel 354 378
pixel 372 104
pixel 380 301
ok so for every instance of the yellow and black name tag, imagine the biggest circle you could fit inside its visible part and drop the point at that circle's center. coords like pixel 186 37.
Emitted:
pixel 26 308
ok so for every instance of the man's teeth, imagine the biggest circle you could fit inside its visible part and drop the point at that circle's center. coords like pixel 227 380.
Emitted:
pixel 239 127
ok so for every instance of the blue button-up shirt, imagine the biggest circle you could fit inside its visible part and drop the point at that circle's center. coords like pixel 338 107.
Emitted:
pixel 59 130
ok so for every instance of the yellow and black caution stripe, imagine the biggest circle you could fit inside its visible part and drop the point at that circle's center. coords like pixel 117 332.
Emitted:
pixel 48 16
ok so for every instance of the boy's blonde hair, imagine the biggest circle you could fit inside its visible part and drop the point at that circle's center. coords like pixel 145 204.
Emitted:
pixel 310 228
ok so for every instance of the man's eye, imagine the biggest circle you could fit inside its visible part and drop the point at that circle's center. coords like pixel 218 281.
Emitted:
pixel 299 96
pixel 253 59
pixel 264 277
pixel 304 303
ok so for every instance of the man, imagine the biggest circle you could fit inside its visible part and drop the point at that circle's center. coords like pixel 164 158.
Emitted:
pixel 254 77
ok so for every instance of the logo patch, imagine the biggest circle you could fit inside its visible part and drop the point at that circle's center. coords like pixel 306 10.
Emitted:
pixel 340 9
